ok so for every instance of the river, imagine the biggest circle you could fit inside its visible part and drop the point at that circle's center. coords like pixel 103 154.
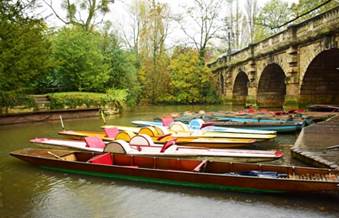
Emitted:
pixel 27 191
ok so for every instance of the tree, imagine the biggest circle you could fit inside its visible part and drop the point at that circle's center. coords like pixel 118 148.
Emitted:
pixel 270 17
pixel 305 6
pixel 24 48
pixel 153 72
pixel 251 10
pixel 132 36
pixel 231 30
pixel 122 67
pixel 76 9
pixel 190 81
pixel 82 64
pixel 201 23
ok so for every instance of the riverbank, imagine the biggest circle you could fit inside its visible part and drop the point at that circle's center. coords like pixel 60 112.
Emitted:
pixel 40 116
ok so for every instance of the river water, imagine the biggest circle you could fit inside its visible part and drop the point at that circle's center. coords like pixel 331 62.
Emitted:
pixel 27 191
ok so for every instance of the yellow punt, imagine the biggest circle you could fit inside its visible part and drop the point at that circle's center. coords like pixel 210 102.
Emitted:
pixel 181 131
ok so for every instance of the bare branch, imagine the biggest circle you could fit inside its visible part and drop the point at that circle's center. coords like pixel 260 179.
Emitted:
pixel 50 5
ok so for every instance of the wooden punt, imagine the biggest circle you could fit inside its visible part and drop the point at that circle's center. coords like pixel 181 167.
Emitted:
pixel 180 130
pixel 142 145
pixel 191 173
pixel 160 139
pixel 196 124
pixel 286 127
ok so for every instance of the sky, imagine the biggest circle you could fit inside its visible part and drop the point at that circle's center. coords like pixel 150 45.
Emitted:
pixel 119 17
pixel 118 9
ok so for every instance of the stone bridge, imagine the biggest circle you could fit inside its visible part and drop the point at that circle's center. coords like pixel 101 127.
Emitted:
pixel 295 67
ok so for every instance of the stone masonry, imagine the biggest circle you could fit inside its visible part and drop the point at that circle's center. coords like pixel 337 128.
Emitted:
pixel 297 66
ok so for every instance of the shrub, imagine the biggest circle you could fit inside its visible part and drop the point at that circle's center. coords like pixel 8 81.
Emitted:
pixel 64 100
pixel 12 99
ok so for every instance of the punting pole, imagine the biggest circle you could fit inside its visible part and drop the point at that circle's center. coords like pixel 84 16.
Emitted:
pixel 57 156
pixel 103 116
pixel 62 122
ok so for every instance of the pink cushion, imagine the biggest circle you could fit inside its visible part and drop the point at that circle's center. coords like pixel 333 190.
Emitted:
pixel 94 142
pixel 166 121
pixel 105 159
pixel 111 132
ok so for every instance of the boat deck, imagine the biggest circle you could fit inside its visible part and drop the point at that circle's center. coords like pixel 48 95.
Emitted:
pixel 313 142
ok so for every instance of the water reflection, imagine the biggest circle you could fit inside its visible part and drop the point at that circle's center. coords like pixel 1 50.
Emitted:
pixel 95 197
pixel 27 191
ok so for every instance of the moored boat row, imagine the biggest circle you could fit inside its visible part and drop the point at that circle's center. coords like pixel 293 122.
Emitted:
pixel 176 153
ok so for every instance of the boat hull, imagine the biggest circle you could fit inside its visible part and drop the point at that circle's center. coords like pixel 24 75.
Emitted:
pixel 179 177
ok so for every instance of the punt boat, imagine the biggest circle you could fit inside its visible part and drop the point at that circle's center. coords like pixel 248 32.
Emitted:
pixel 143 145
pixel 196 124
pixel 181 130
pixel 185 172
pixel 158 136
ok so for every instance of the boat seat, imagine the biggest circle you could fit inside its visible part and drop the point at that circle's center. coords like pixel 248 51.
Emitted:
pixel 161 130
pixel 94 142
pixel 150 130
pixel 118 146
pixel 125 135
pixel 111 132
pixel 104 159
pixel 196 124
pixel 166 121
pixel 142 139
pixel 179 127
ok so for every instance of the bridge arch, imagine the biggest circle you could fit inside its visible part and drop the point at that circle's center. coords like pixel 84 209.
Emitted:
pixel 320 84
pixel 240 88
pixel 271 87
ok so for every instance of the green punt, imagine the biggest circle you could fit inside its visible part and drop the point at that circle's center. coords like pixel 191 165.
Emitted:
pixel 185 172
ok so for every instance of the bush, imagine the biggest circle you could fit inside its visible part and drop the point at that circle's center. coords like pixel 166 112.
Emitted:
pixel 111 99
pixel 12 99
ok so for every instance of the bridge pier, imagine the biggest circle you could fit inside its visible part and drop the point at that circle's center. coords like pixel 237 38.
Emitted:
pixel 292 95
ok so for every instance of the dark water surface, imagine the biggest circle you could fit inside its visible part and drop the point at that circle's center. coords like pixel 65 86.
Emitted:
pixel 27 191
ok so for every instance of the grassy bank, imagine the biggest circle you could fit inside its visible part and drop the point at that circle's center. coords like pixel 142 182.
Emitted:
pixel 112 100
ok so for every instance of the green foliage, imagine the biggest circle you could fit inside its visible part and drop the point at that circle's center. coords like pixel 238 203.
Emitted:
pixel 122 68
pixel 116 97
pixel 304 6
pixel 83 13
pixel 81 63
pixel 14 98
pixel 113 98
pixel 190 81
pixel 275 13
pixel 154 77
pixel 24 49
pixel 153 72
pixel 272 15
